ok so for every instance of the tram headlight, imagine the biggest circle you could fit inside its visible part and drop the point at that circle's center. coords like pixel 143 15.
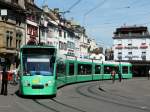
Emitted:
pixel 49 82
pixel 26 83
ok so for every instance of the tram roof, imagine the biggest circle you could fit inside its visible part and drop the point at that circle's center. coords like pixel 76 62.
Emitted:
pixel 73 58
pixel 114 62
pixel 37 46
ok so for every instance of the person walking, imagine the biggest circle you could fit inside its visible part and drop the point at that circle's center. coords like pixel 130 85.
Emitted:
pixel 119 76
pixel 15 73
pixel 148 74
pixel 113 73
pixel 4 81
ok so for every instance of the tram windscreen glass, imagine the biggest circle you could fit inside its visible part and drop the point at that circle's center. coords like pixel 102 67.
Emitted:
pixel 38 62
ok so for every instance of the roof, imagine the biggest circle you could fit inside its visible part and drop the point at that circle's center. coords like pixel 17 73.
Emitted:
pixel 131 29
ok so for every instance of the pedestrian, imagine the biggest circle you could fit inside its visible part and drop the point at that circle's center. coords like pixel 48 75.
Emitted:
pixel 15 73
pixel 113 73
pixel 148 74
pixel 119 75
pixel 4 81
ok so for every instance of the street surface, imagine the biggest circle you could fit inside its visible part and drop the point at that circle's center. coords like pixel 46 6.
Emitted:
pixel 131 95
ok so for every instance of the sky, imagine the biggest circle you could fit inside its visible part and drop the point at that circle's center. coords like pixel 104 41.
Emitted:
pixel 102 17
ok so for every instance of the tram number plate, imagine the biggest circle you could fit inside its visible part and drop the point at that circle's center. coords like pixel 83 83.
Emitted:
pixel 35 81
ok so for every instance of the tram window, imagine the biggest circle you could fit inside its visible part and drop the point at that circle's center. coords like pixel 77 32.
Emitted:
pixel 61 69
pixel 89 69
pixel 116 68
pixel 84 69
pixel 107 69
pixel 80 69
pixel 125 69
pixel 97 69
pixel 71 69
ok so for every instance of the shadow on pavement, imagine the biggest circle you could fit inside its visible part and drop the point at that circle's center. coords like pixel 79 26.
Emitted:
pixel 34 96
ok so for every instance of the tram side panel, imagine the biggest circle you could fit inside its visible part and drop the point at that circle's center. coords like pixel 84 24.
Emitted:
pixel 98 71
pixel 71 70
pixel 126 71
pixel 61 74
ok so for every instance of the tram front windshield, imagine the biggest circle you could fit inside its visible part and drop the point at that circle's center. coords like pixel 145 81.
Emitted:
pixel 38 62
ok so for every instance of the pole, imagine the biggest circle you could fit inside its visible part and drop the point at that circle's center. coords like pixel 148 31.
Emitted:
pixel 102 72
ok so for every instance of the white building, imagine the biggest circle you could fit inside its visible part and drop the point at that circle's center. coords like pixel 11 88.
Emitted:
pixel 133 44
pixel 68 36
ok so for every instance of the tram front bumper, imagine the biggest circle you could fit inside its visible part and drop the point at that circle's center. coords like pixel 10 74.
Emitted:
pixel 39 89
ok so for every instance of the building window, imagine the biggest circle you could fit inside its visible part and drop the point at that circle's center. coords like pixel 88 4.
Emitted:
pixel 143 55
pixel 7 42
pixel 9 38
pixel 43 33
pixel 119 55
pixel 32 30
pixel 143 45
pixel 130 53
pixel 65 34
pixel 18 40
pixel 130 45
pixel 70 45
pixel 31 18
pixel 62 46
pixel 60 33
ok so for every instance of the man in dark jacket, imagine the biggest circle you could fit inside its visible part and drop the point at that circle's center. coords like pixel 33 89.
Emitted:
pixel 119 76
pixel 4 81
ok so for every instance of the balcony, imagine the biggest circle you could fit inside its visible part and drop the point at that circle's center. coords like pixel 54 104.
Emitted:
pixel 119 47
pixel 132 35
pixel 129 36
pixel 143 46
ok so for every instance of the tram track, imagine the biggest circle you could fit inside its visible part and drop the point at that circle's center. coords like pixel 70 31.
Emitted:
pixel 100 97
pixel 68 106
pixel 88 91
pixel 114 99
pixel 43 104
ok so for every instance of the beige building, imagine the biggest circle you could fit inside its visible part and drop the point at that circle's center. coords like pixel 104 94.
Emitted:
pixel 12 30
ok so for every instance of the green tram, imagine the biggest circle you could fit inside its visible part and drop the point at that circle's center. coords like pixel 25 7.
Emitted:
pixel 42 71
pixel 37 70
pixel 72 70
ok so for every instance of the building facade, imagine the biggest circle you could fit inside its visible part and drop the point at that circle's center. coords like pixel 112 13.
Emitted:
pixel 132 44
pixel 23 22
pixel 33 17
pixel 12 30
